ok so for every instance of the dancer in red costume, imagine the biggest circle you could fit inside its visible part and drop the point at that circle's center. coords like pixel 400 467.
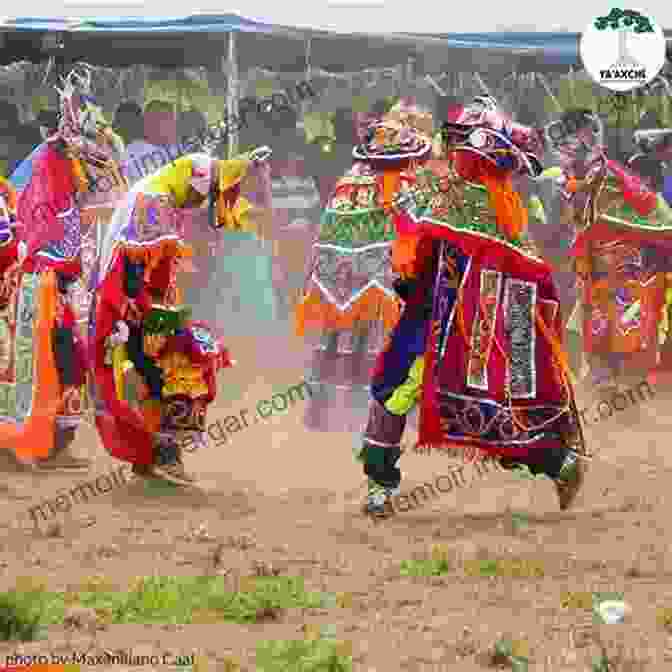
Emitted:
pixel 155 368
pixel 479 343
pixel 621 232
pixel 42 398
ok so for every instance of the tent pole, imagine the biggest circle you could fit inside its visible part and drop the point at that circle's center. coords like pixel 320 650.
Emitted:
pixel 308 75
pixel 231 68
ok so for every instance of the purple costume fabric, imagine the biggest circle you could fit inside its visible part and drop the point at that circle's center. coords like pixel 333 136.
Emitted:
pixel 667 189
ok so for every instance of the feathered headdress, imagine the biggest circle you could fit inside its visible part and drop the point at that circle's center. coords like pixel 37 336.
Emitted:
pixel 82 127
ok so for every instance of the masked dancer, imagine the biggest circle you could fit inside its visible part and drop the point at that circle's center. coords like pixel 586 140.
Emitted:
pixel 478 345
pixel 621 229
pixel 349 299
pixel 42 392
pixel 155 368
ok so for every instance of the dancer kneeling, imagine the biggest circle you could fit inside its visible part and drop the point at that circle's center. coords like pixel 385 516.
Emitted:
pixel 479 341
pixel 155 369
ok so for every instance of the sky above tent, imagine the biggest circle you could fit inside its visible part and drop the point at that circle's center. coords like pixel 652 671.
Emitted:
pixel 421 16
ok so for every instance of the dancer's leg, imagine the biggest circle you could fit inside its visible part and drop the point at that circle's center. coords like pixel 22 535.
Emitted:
pixel 175 418
pixel 63 341
pixel 381 448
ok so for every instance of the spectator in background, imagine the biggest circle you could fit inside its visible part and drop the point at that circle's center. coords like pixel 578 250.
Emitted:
pixel 327 167
pixel 191 124
pixel 47 123
pixel 651 167
pixel 128 121
pixel 9 125
pixel 159 145
pixel 17 140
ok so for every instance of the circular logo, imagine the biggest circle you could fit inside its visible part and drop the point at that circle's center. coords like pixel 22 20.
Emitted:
pixel 623 50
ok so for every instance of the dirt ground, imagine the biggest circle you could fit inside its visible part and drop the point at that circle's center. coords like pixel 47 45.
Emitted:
pixel 281 495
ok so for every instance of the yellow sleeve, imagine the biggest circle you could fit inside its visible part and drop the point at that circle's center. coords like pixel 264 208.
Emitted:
pixel 173 179
pixel 407 394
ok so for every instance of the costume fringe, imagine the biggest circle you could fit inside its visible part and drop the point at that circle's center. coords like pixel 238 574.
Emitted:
pixel 314 312
pixel 90 216
pixel 34 438
pixel 391 182
pixel 153 254
pixel 512 217
pixel 79 175
pixel 182 377
pixel 405 254
pixel 466 453
pixel 9 193
pixel 557 347
pixel 151 414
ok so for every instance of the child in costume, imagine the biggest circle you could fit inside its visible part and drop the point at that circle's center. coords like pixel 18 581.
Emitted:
pixel 479 341
pixel 621 232
pixel 349 299
pixel 155 369
pixel 42 393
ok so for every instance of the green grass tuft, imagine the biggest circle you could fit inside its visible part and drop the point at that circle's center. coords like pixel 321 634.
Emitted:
pixel 508 567
pixel 158 599
pixel 21 616
pixel 436 564
pixel 314 655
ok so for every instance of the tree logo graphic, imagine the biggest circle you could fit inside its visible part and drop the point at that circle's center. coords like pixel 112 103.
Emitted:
pixel 623 50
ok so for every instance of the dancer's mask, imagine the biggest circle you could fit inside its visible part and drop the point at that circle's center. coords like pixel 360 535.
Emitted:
pixel 481 132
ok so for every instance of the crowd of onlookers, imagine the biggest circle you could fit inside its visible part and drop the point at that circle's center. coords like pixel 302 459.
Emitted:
pixel 158 129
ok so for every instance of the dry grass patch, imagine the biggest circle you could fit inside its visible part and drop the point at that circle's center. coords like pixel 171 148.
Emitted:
pixel 509 567
pixel 511 653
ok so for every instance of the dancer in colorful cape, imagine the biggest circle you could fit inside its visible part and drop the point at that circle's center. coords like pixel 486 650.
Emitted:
pixel 155 369
pixel 479 341
pixel 349 299
pixel 42 388
pixel 621 231
pixel 9 269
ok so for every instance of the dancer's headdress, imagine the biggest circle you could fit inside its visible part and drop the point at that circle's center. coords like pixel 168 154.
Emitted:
pixel 410 114
pixel 487 147
pixel 222 180
pixel 391 141
pixel 81 124
pixel 482 129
